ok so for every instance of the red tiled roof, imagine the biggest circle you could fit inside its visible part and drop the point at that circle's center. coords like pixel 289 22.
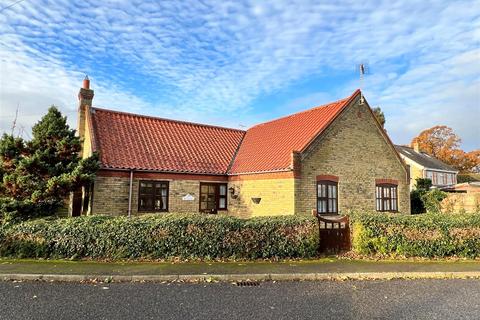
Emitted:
pixel 128 141
pixel 269 146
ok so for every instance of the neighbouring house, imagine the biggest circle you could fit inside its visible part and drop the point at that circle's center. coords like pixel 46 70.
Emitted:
pixel 422 165
pixel 331 158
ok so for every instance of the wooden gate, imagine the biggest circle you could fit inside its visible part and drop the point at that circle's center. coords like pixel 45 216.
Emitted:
pixel 334 234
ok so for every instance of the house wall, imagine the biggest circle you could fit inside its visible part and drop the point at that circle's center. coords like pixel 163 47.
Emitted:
pixel 353 149
pixel 276 191
pixel 416 171
pixel 111 190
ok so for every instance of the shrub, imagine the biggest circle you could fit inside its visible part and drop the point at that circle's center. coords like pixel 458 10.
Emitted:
pixel 159 237
pixel 432 200
pixel 428 235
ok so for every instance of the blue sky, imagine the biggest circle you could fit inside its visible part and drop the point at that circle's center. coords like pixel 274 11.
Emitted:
pixel 237 63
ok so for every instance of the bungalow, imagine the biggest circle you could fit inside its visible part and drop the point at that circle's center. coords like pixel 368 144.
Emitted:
pixel 332 158
pixel 423 165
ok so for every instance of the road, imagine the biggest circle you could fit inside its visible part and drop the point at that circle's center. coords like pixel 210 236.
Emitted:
pixel 395 299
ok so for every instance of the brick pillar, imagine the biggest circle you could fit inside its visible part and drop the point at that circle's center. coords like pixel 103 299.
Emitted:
pixel 296 163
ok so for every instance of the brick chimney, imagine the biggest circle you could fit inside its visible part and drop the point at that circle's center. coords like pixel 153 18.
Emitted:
pixel 85 97
pixel 416 147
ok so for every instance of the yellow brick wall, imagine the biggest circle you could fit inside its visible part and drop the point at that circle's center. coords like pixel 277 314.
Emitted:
pixel 353 149
pixel 277 197
pixel 111 195
pixel 415 173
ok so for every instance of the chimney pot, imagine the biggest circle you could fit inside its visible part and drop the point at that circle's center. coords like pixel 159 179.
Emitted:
pixel 86 83
pixel 416 147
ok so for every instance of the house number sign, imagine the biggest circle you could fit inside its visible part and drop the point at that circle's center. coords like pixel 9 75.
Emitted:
pixel 188 197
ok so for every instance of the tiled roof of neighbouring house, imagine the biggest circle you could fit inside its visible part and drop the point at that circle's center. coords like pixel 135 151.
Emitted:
pixel 424 159
pixel 269 146
pixel 129 141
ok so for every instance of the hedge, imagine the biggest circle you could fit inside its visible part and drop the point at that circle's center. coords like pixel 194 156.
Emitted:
pixel 427 235
pixel 191 236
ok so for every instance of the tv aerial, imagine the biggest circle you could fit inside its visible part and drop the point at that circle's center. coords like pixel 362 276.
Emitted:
pixel 363 69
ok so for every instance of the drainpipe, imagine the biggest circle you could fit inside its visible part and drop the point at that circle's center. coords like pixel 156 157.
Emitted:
pixel 130 192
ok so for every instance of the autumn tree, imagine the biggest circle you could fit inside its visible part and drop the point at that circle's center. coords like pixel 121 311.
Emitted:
pixel 442 143
pixel 37 175
pixel 379 115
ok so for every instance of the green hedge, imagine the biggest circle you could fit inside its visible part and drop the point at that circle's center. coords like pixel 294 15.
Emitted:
pixel 427 235
pixel 160 237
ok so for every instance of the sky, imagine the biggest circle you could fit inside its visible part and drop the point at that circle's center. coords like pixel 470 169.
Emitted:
pixel 238 63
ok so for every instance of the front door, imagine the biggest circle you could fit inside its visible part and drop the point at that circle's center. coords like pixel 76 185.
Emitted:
pixel 208 198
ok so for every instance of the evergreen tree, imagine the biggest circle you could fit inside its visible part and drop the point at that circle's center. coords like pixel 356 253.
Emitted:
pixel 36 176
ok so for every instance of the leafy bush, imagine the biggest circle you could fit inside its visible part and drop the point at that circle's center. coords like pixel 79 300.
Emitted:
pixel 432 200
pixel 468 177
pixel 159 237
pixel 424 199
pixel 428 235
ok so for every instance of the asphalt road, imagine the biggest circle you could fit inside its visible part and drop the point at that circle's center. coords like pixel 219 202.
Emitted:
pixel 395 299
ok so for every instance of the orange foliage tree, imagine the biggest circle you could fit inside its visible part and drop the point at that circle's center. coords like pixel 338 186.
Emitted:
pixel 442 143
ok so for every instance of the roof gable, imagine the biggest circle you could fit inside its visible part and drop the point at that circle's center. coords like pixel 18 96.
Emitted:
pixel 269 146
pixel 129 141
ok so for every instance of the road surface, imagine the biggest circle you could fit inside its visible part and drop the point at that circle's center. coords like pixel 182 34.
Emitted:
pixel 395 299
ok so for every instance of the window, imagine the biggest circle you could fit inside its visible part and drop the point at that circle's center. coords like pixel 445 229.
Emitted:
pixel 386 197
pixel 153 196
pixel 222 197
pixel 213 197
pixel 430 175
pixel 327 197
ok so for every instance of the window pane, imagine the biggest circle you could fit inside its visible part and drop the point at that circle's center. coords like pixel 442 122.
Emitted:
pixel 324 190
pixel 319 190
pixel 330 205
pixel 222 190
pixel 334 191
pixel 204 189
pixel 222 203
pixel 203 205
pixel 334 206
pixel 158 204
pixel 323 206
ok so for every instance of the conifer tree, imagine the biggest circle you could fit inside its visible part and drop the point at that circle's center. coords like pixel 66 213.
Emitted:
pixel 37 175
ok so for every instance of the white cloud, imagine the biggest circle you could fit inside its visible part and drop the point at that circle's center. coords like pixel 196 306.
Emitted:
pixel 211 61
